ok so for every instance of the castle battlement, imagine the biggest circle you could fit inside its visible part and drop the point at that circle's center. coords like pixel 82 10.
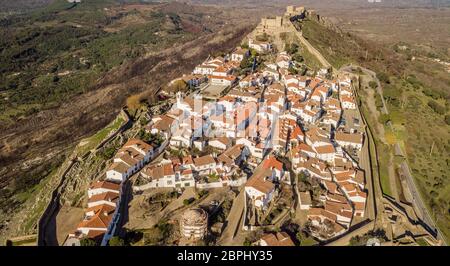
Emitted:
pixel 272 25
pixel 294 11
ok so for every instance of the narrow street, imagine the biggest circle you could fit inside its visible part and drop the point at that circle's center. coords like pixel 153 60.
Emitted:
pixel 127 196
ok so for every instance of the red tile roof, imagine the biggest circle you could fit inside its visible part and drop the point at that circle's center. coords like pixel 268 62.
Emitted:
pixel 277 239
pixel 105 185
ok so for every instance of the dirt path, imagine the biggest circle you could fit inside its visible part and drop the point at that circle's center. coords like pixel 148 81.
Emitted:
pixel 370 100
pixel 233 220
pixel 392 178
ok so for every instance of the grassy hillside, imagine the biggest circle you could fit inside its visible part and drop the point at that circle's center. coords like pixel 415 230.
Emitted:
pixel 417 92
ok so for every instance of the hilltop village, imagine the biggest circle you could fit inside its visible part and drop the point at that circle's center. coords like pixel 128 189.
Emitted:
pixel 284 141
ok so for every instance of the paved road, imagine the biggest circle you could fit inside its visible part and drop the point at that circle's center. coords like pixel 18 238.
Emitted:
pixel 419 204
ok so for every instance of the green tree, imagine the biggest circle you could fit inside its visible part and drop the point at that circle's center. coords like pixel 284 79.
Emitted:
pixel 247 242
pixel 117 241
pixel 143 121
pixel 302 177
pixel 299 237
pixel 298 58
pixel 384 118
pixel 292 48
pixel 293 71
pixel 87 242
pixel 247 63
pixel 179 85
pixel 153 236
pixel 383 77
pixel 439 109
pixel 188 201
pixel 357 241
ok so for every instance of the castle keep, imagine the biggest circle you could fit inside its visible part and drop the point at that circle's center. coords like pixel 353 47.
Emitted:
pixel 274 25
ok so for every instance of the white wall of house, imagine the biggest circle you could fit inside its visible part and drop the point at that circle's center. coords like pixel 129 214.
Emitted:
pixel 327 157
pixel 96 191
pixel 304 206
pixel 259 199
pixel 221 81
pixel 218 145
pixel 209 185
pixel 100 202
pixel 199 144
pixel 332 122
pixel 349 144
pixel 238 182
pixel 114 176
pixel 237 57
pixel 284 64
pixel 180 141
pixel 205 169
pixel 357 199
pixel 85 230
pixel 203 70
pixel 343 220
pixel 185 183
pixel 348 105
pixel 244 84
pixel 316 98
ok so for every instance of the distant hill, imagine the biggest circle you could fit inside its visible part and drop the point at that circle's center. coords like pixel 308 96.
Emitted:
pixel 332 3
pixel 29 5
pixel 22 5
pixel 26 5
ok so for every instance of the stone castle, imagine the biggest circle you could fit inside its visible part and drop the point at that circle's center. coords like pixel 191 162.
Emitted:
pixel 272 25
